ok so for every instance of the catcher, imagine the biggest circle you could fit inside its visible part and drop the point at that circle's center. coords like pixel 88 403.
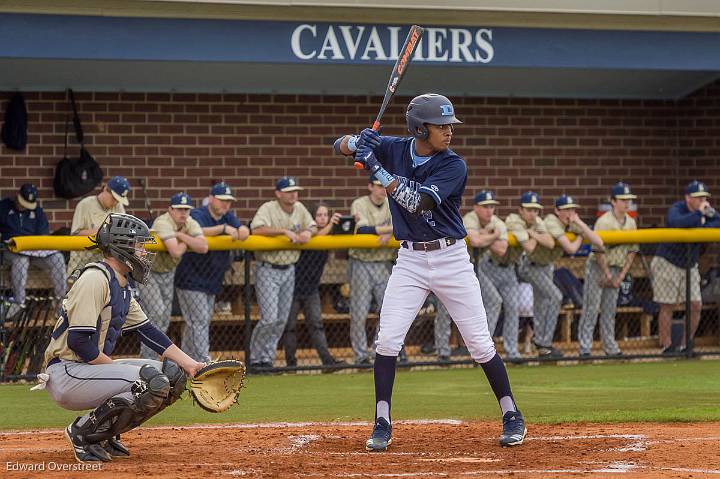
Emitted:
pixel 80 374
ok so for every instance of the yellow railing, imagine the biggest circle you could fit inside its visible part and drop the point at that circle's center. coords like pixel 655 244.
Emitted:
pixel 263 243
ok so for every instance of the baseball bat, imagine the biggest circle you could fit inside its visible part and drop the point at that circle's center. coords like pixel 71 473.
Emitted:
pixel 398 72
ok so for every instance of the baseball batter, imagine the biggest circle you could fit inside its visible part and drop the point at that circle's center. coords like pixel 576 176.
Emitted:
pixel 80 374
pixel 425 181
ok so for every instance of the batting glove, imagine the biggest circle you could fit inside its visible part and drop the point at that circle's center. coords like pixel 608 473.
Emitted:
pixel 365 155
pixel 369 137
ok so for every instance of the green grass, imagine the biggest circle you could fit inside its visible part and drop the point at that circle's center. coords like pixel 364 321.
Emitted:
pixel 660 391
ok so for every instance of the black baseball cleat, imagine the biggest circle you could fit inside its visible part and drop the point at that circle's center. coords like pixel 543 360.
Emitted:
pixel 381 436
pixel 333 365
pixel 115 448
pixel 545 352
pixel 514 429
pixel 85 452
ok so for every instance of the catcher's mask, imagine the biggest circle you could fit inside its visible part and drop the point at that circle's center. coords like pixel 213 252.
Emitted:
pixel 124 238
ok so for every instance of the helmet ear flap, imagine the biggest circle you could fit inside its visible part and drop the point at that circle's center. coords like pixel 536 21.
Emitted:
pixel 422 132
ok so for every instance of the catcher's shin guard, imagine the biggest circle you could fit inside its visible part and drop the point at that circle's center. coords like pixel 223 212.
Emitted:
pixel 177 378
pixel 119 414
pixel 150 392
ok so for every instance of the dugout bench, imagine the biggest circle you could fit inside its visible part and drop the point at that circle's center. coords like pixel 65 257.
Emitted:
pixel 625 316
pixel 228 327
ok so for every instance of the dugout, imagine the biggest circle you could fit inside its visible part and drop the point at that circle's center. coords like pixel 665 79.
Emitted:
pixel 176 94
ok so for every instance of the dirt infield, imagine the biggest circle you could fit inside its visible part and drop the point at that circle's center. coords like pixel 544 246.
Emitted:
pixel 421 449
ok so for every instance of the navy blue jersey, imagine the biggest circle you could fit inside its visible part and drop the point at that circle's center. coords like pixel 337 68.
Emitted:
pixel 205 272
pixel 684 255
pixel 442 176
pixel 14 222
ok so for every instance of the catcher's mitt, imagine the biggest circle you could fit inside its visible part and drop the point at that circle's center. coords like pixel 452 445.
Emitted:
pixel 217 385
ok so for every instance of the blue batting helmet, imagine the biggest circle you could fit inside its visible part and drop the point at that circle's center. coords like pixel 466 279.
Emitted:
pixel 429 108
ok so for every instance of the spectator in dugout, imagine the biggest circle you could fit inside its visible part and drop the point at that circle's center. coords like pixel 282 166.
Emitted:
pixel 23 216
pixel 671 260
pixel 90 213
pixel 536 267
pixel 369 269
pixel 275 270
pixel 306 298
pixel 179 233
pixel 199 277
pixel 605 270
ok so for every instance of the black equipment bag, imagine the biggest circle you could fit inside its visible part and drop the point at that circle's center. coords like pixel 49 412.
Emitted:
pixel 76 176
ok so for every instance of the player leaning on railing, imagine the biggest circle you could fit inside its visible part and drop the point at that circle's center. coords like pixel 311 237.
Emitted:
pixel 672 259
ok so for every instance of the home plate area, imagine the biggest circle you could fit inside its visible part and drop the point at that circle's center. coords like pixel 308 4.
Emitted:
pixel 443 448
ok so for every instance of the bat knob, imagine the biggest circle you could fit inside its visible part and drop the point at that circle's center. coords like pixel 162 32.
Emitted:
pixel 359 165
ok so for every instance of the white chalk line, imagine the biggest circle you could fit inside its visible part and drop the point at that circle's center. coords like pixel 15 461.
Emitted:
pixel 614 468
pixel 696 471
pixel 639 444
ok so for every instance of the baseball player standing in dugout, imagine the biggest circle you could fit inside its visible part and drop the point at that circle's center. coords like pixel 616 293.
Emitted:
pixel 425 181
pixel 80 374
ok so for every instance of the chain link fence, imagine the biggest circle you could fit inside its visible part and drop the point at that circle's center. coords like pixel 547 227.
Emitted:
pixel 318 310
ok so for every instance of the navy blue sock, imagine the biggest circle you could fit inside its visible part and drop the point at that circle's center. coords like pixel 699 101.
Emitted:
pixel 498 378
pixel 384 371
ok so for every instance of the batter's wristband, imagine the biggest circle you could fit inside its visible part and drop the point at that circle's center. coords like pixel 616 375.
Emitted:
pixel 352 143
pixel 384 177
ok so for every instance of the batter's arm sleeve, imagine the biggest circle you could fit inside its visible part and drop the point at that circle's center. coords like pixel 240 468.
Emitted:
pixel 413 201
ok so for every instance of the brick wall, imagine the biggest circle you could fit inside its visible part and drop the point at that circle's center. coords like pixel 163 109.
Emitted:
pixel 183 141
pixel 699 137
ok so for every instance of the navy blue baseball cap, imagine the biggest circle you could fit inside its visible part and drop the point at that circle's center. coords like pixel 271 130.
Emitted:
pixel 697 189
pixel 181 200
pixel 287 184
pixel 530 199
pixel 222 191
pixel 565 202
pixel 621 191
pixel 486 197
pixel 119 187
pixel 27 196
